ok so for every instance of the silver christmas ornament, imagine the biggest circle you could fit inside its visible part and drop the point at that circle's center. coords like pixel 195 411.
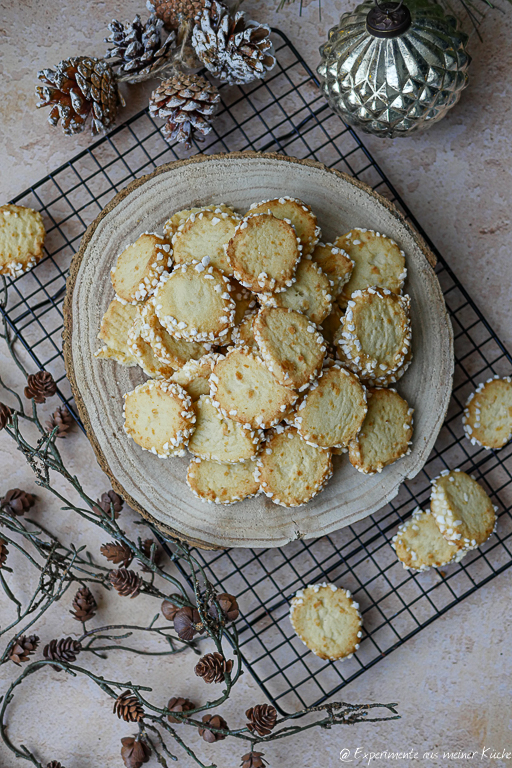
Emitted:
pixel 392 69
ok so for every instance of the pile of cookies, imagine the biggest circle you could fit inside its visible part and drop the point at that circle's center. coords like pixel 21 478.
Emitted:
pixel 268 351
pixel 22 236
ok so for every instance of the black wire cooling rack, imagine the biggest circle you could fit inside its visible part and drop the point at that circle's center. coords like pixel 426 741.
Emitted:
pixel 286 113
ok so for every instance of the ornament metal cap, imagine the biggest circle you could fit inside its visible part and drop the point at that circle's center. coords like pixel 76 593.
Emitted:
pixel 388 20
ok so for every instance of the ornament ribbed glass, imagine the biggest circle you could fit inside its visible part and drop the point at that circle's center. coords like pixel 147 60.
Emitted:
pixel 394 86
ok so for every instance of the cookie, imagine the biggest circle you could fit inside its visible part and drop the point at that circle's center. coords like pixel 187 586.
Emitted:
pixel 243 334
pixel 139 268
pixel 298 213
pixel 115 326
pixel 219 438
pixel 243 388
pixel 177 219
pixel 292 348
pixel 463 511
pixel 375 334
pixel 332 410
pixel 245 301
pixel 487 418
pixel 332 325
pixel 264 253
pixel 334 263
pixel 222 483
pixel 159 417
pixel 170 350
pixel 205 234
pixel 309 294
pixel 377 261
pixel 392 378
pixel 291 472
pixel 143 353
pixel 22 236
pixel 194 376
pixel 419 545
pixel 193 302
pixel 327 620
pixel 386 432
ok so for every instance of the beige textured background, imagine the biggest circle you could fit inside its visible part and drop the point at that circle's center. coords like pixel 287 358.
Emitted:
pixel 453 681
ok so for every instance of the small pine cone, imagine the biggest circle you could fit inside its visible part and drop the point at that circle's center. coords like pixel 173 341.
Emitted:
pixel 3 552
pixel 232 48
pixel 40 385
pixel 172 12
pixel 128 707
pixel 187 623
pixel 117 552
pixel 138 49
pixel 84 605
pixel 66 649
pixel 54 764
pixel 213 667
pixel 5 415
pixel 253 760
pixel 146 546
pixel 188 104
pixel 23 648
pixel 213 721
pixel 134 752
pixel 179 705
pixel 228 606
pixel 108 500
pixel 126 583
pixel 62 419
pixel 17 502
pixel 168 608
pixel 262 718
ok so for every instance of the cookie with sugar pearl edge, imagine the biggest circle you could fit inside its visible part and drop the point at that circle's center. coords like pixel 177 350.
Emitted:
pixel 487 418
pixel 420 545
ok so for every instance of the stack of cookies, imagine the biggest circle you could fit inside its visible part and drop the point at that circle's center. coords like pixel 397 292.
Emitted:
pixel 267 351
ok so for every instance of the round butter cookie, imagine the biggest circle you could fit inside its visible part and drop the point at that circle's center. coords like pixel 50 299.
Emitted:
pixel 222 483
pixel 194 302
pixel 264 253
pixel 334 263
pixel 143 353
pixel 243 334
pixel 375 333
pixel 115 326
pixel 139 268
pixel 290 471
pixel 386 432
pixel 243 388
pixel 180 217
pixel 309 294
pixel 419 544
pixel 205 234
pixel 332 410
pixel 22 236
pixel 219 438
pixel 290 345
pixel 487 418
pixel 377 261
pixel 463 511
pixel 332 325
pixel 170 350
pixel 159 417
pixel 327 620
pixel 194 376
pixel 298 213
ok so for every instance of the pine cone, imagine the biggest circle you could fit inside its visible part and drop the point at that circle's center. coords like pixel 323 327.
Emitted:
pixel 40 385
pixel 17 502
pixel 117 552
pixel 187 623
pixel 3 552
pixel 146 548
pixel 173 11
pixel 23 648
pixel 106 500
pixel 79 87
pixel 62 419
pixel 179 705
pixel 228 606
pixel 188 103
pixel 5 415
pixel 233 49
pixel 126 583
pixel 137 47
pixel 84 605
pixel 213 667
pixel 215 721
pixel 54 764
pixel 253 760
pixel 66 649
pixel 262 718
pixel 134 752
pixel 128 707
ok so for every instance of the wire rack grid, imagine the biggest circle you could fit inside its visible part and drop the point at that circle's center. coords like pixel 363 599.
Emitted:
pixel 287 113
